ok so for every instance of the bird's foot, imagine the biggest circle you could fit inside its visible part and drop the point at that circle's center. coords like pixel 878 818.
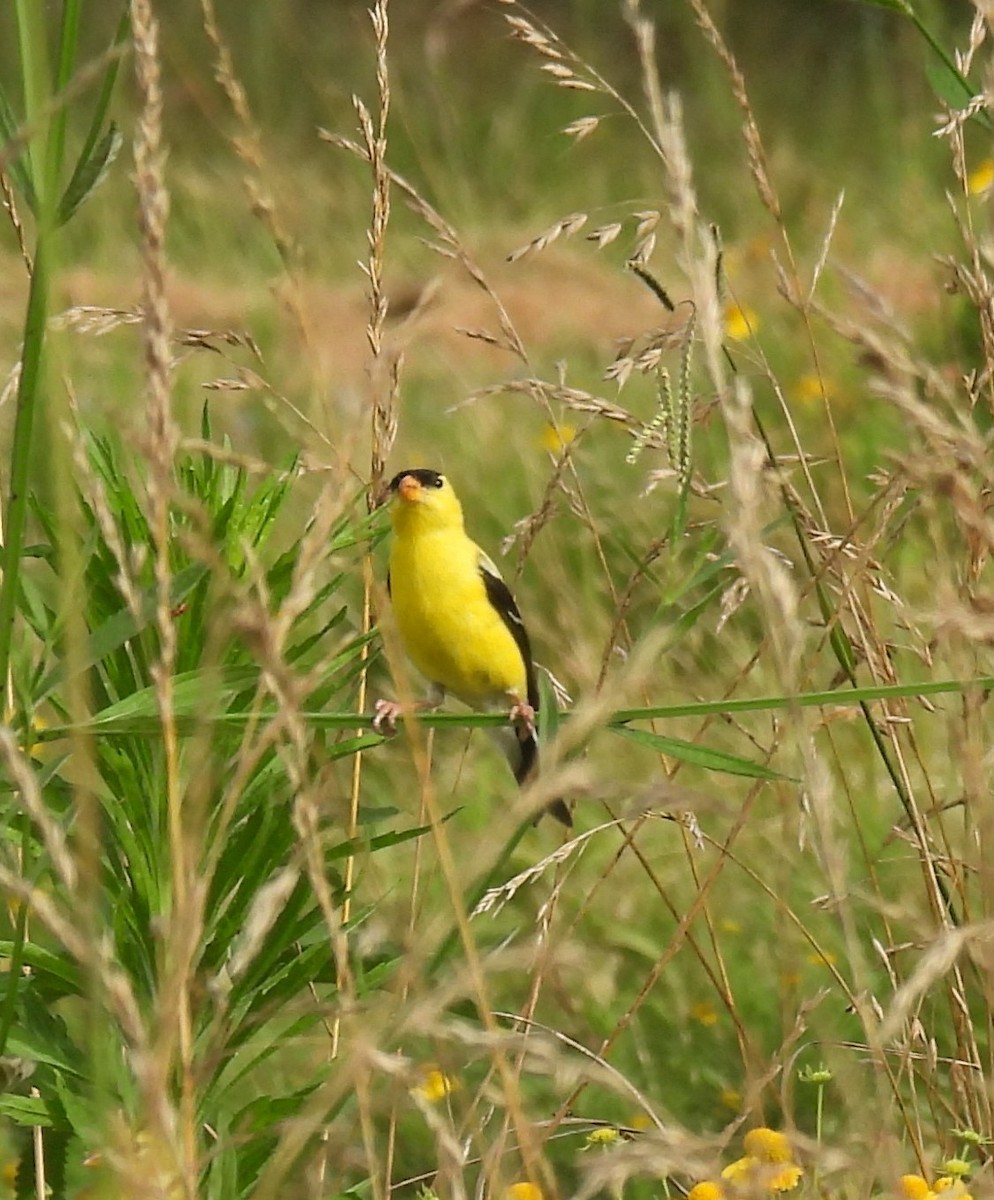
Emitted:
pixel 523 719
pixel 387 712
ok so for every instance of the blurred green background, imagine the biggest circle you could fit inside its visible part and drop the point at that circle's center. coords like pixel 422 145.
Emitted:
pixel 840 91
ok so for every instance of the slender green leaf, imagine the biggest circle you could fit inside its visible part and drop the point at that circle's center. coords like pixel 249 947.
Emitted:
pixel 548 708
pixel 29 388
pixel 33 1110
pixel 396 837
pixel 53 974
pixel 18 168
pixel 15 984
pixel 123 626
pixel 41 1036
pixel 493 874
pixel 100 109
pixel 700 756
pixel 207 691
pixel 90 174
pixel 949 85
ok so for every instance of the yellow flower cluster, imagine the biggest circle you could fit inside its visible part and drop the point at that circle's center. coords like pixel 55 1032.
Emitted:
pixel 949 1186
pixel 706 1190
pixel 766 1168
pixel 524 1191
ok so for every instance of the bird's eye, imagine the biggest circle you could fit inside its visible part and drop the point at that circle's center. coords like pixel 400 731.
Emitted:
pixel 439 481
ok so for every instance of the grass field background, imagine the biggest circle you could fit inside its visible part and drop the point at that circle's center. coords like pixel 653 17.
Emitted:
pixel 742 492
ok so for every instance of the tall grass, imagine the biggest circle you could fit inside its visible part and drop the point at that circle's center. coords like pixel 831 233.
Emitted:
pixel 252 950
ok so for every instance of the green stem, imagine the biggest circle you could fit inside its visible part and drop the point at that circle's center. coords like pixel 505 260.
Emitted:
pixel 144 723
pixel 34 71
pixel 69 37
pixel 496 873
pixel 8 1009
pixel 20 456
pixel 818 1116
pixel 940 51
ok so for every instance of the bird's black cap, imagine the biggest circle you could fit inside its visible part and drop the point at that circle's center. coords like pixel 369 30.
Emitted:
pixel 427 479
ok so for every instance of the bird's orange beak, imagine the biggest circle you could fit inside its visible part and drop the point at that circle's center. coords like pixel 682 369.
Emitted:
pixel 409 489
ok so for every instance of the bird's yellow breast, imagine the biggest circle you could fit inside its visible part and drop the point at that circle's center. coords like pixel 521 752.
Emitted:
pixel 450 630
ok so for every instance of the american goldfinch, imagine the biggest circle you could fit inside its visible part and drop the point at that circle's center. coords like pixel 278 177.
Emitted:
pixel 457 618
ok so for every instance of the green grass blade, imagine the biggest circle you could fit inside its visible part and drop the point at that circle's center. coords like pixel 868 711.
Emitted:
pixel 43 1112
pixel 90 173
pixel 497 872
pixel 18 167
pixel 699 756
pixel 123 626
pixel 28 401
pixel 94 134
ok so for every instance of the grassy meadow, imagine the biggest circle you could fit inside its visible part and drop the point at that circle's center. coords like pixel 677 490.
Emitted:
pixel 698 322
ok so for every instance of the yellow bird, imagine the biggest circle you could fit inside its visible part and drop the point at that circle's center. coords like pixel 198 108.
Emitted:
pixel 457 618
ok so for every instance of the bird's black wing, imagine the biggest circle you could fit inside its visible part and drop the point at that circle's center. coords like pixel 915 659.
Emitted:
pixel 499 595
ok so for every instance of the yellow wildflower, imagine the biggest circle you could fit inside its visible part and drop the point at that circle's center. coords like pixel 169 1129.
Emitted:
pixel 555 438
pixel 731 1098
pixel 767 1164
pixel 524 1191
pixel 741 322
pixel 785 1179
pixel 956 1167
pixel 435 1085
pixel 706 1190
pixel 703 1012
pixel 980 178
pixel 768 1145
pixel 759 1176
pixel 740 1171
pixel 913 1187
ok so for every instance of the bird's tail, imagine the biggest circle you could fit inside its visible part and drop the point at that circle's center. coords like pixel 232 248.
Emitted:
pixel 559 809
pixel 521 750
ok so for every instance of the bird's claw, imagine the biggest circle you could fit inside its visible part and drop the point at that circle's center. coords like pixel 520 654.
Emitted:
pixel 387 712
pixel 523 719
